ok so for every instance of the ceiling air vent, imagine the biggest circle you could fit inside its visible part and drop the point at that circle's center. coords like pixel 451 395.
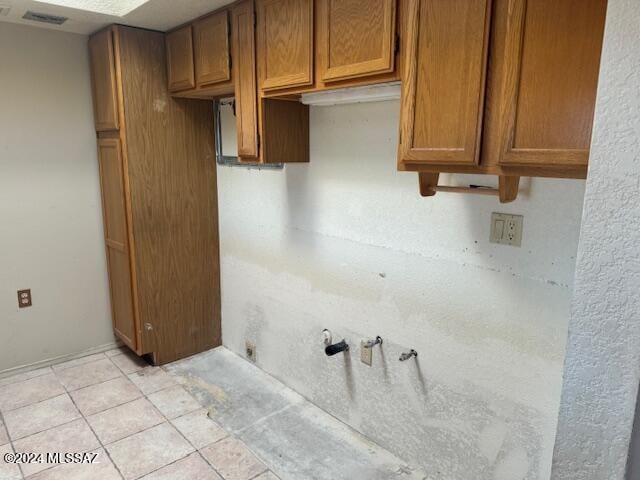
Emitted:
pixel 44 17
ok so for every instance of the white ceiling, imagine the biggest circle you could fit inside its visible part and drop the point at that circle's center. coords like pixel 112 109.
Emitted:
pixel 153 14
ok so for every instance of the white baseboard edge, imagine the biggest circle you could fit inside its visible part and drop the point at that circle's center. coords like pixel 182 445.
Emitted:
pixel 63 358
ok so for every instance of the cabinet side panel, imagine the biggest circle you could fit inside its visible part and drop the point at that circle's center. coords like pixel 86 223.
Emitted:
pixel 174 204
pixel 286 131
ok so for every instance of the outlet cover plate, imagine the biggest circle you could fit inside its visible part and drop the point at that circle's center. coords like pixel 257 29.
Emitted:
pixel 506 229
pixel 366 354
pixel 250 350
pixel 24 298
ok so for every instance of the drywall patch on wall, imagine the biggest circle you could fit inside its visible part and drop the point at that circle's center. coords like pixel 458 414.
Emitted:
pixel 51 238
pixel 602 369
pixel 347 243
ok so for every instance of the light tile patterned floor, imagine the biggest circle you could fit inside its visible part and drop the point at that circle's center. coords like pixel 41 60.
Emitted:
pixel 139 421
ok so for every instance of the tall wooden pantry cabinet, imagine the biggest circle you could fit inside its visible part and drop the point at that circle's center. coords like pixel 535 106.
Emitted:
pixel 159 196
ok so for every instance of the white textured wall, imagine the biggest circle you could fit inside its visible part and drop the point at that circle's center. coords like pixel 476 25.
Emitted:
pixel 603 354
pixel 51 236
pixel 347 243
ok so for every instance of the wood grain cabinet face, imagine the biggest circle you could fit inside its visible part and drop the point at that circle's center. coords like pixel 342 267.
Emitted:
pixel 355 38
pixel 211 49
pixel 180 69
pixel 443 87
pixel 244 74
pixel 115 230
pixel 552 61
pixel 285 43
pixel 103 80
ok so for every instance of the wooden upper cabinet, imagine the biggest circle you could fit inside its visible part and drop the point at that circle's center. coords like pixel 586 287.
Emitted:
pixel 180 70
pixel 444 81
pixel 552 60
pixel 103 80
pixel 355 38
pixel 211 49
pixel 244 74
pixel 285 43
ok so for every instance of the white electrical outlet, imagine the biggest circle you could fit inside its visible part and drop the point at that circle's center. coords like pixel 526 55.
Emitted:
pixel 506 229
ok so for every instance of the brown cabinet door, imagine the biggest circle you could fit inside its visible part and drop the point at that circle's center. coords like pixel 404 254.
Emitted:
pixel 285 43
pixel 180 69
pixel 116 239
pixel 103 81
pixel 444 79
pixel 356 38
pixel 211 49
pixel 244 74
pixel 552 60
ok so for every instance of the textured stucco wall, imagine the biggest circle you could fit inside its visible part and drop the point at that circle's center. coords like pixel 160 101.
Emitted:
pixel 347 243
pixel 603 353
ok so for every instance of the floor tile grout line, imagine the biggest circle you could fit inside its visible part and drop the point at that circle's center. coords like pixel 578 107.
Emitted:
pixel 34 403
pixel 208 462
pixel 51 428
pixel 166 419
pixel 112 406
pixel 26 379
pixel 91 385
pixel 53 367
pixel 196 450
pixel 123 375
pixel 229 435
pixel 50 368
pixel 4 425
pixel 68 393
pixel 235 434
pixel 169 421
pixel 47 429
pixel 260 474
pixel 104 448
pixel 82 416
pixel 106 381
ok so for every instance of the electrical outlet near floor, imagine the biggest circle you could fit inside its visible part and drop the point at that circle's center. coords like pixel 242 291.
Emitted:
pixel 24 298
pixel 506 229
pixel 366 354
pixel 250 350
